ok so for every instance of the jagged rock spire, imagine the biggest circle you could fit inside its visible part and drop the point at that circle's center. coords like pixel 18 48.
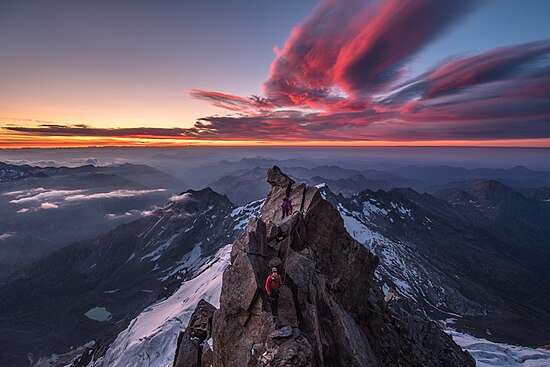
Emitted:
pixel 276 177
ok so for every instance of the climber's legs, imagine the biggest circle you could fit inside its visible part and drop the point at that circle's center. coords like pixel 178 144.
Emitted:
pixel 274 302
pixel 285 211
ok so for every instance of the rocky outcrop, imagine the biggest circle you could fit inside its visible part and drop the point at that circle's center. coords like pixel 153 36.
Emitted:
pixel 330 311
pixel 192 350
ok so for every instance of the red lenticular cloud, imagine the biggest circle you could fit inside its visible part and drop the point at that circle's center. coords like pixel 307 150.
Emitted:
pixel 354 49
pixel 376 53
pixel 499 64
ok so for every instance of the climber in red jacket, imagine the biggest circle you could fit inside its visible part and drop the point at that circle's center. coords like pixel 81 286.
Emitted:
pixel 272 285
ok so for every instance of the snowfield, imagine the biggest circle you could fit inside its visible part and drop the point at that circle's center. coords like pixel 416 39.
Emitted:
pixel 151 338
pixel 489 354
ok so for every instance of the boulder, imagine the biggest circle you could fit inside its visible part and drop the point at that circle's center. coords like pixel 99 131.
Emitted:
pixel 299 270
pixel 275 262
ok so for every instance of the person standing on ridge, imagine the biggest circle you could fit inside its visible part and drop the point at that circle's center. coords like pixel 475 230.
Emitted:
pixel 289 207
pixel 286 207
pixel 272 285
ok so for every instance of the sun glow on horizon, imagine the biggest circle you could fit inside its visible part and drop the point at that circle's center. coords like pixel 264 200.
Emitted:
pixel 21 141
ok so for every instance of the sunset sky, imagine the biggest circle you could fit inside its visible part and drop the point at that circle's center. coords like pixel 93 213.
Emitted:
pixel 285 72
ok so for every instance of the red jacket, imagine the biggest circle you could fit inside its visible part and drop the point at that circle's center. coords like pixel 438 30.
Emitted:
pixel 273 284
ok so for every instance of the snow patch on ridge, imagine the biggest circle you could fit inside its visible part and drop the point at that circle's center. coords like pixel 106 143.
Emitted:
pixel 370 207
pixel 358 230
pixel 244 213
pixel 159 248
pixel 190 261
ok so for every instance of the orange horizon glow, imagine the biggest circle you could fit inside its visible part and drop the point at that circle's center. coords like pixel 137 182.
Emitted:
pixel 19 141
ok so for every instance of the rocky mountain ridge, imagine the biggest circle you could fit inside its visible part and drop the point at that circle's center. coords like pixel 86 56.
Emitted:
pixel 331 312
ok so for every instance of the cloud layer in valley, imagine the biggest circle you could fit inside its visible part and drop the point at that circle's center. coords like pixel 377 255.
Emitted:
pixel 41 198
pixel 132 214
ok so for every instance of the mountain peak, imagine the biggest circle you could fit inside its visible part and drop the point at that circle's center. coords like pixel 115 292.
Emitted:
pixel 520 169
pixel 490 190
pixel 205 196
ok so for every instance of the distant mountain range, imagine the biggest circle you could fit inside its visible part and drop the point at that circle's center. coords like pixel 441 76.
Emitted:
pixel 472 254
pixel 242 181
pixel 479 255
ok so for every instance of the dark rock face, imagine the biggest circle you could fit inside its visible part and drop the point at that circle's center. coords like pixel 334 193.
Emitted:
pixel 330 312
pixel 191 351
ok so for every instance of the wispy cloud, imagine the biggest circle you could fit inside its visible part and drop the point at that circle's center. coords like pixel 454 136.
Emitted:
pixel 48 206
pixel 44 195
pixel 23 193
pixel 358 47
pixel 181 198
pixel 230 102
pixel 41 198
pixel 6 235
pixel 342 75
pixel 86 131
pixel 111 194
pixel 131 214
